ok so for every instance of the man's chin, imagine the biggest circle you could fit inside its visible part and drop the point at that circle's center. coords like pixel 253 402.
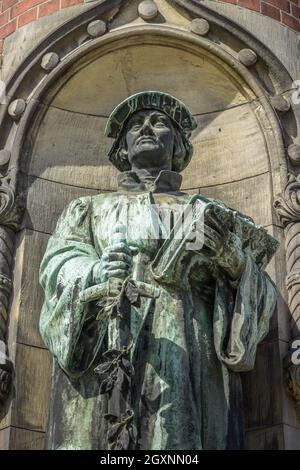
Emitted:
pixel 144 159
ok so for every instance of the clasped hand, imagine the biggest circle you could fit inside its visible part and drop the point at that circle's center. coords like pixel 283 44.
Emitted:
pixel 116 261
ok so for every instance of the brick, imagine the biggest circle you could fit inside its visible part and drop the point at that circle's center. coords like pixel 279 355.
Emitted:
pixel 281 4
pixel 296 11
pixel 27 17
pixel 288 20
pixel 269 10
pixel 8 3
pixel 69 3
pixel 23 6
pixel 251 4
pixel 296 2
pixel 4 18
pixel 8 29
pixel 1 50
pixel 49 7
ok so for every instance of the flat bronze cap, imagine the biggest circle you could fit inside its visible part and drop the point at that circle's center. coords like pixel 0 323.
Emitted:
pixel 172 107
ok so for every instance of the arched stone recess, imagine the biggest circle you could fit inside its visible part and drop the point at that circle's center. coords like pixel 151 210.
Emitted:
pixel 53 150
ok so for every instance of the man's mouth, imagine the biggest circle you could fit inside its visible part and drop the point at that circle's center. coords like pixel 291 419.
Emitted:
pixel 146 139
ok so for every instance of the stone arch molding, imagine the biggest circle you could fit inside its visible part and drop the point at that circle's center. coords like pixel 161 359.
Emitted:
pixel 247 62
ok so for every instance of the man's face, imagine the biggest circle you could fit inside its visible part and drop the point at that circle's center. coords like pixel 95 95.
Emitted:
pixel 150 140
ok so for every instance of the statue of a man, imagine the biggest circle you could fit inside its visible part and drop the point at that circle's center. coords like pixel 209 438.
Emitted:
pixel 190 332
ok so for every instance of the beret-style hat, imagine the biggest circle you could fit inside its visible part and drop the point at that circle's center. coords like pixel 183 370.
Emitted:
pixel 172 107
pixel 168 104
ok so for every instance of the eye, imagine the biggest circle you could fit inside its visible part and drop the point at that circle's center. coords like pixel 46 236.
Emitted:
pixel 160 123
pixel 135 127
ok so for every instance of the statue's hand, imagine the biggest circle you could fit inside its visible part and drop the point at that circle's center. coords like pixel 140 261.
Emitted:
pixel 116 261
pixel 224 247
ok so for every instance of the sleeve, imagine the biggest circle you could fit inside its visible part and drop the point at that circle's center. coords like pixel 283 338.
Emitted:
pixel 68 327
pixel 241 317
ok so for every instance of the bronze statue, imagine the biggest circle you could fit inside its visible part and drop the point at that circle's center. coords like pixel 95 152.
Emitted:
pixel 148 336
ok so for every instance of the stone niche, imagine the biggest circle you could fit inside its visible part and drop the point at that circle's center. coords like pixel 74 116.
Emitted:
pixel 64 156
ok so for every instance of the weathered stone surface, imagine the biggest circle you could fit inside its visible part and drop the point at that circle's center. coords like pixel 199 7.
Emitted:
pixel 23 439
pixel 141 67
pixel 291 438
pixel 30 406
pixel 248 57
pixel 96 28
pixel 262 388
pixel 219 157
pixel 50 61
pixel 147 10
pixel 42 211
pixel 4 438
pixel 78 151
pixel 251 196
pixel 200 26
pixel 32 247
pixel 270 438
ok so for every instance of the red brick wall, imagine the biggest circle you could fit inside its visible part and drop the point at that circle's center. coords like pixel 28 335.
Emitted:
pixel 17 13
pixel 286 12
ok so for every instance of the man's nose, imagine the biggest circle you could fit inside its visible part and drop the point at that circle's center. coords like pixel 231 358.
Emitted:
pixel 147 128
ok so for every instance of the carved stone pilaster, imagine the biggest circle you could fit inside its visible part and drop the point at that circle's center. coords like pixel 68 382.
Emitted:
pixel 11 210
pixel 288 211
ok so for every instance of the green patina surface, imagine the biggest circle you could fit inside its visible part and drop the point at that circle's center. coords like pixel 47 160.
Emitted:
pixel 194 318
pixel 189 344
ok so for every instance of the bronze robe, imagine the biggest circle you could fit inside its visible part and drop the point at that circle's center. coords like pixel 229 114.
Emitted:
pixel 189 344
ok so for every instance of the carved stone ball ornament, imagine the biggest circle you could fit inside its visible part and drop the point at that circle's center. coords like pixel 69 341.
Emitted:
pixel 247 57
pixel 17 108
pixel 200 26
pixel 97 28
pixel 280 103
pixel 147 10
pixel 50 61
pixel 294 154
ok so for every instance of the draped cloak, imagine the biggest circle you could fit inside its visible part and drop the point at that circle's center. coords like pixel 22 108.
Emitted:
pixel 189 344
